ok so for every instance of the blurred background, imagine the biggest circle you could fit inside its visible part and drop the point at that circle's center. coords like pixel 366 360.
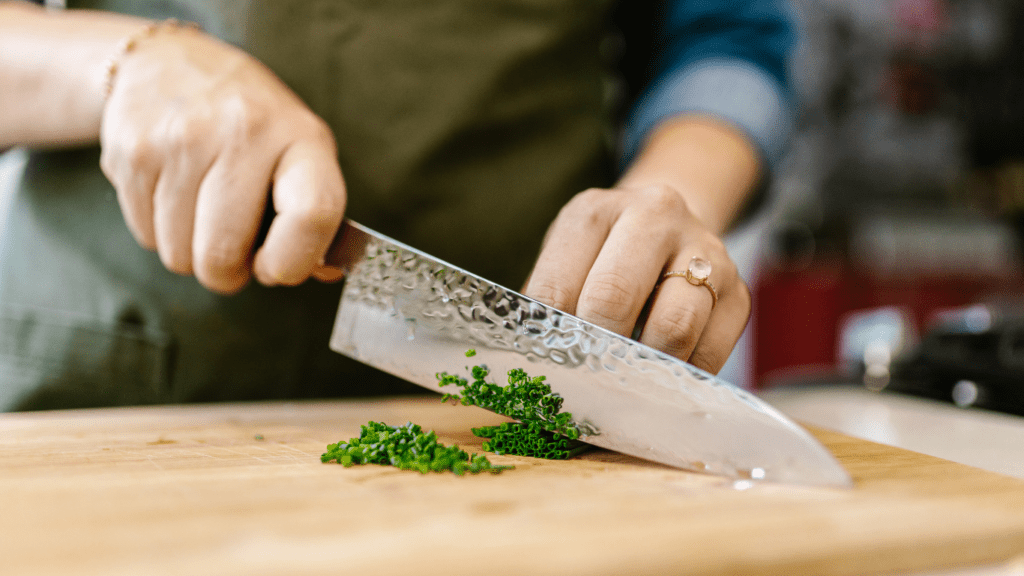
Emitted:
pixel 887 270
pixel 891 251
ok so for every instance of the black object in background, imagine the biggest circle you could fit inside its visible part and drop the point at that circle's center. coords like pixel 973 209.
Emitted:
pixel 968 362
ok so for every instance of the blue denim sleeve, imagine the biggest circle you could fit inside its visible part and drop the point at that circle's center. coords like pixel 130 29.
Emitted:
pixel 725 58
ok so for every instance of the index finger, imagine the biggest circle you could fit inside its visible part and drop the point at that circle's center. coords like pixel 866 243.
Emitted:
pixel 309 198
pixel 570 248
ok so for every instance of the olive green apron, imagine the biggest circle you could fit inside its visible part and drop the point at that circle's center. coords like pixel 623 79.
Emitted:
pixel 462 127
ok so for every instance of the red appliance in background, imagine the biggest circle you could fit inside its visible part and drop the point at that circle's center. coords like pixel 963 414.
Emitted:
pixel 919 266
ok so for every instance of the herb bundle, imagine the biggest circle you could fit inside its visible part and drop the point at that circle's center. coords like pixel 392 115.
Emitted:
pixel 528 439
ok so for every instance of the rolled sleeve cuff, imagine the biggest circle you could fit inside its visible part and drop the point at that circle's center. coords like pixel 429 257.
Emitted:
pixel 730 89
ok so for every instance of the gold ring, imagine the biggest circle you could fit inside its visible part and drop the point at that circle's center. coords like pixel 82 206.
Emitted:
pixel 697 273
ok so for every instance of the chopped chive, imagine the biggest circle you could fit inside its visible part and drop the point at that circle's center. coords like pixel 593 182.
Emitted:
pixel 408 448
pixel 524 398
pixel 528 439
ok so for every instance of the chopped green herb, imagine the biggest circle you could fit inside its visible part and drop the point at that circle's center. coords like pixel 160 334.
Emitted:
pixel 543 431
pixel 408 448
pixel 528 439
pixel 525 399
pixel 258 437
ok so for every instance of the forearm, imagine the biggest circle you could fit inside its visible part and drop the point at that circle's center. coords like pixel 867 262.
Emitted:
pixel 712 165
pixel 52 70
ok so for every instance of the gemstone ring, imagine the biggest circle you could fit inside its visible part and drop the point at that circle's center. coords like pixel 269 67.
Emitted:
pixel 697 273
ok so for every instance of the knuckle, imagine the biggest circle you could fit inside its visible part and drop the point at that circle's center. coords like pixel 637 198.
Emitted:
pixel 176 261
pixel 318 129
pixel 226 286
pixel 708 359
pixel 291 277
pixel 606 298
pixel 187 132
pixel 218 260
pixel 280 270
pixel 742 293
pixel 220 269
pixel 662 199
pixel 711 247
pixel 138 153
pixel 139 158
pixel 717 247
pixel 246 117
pixel 177 265
pixel 144 239
pixel 590 196
pixel 552 293
pixel 108 164
pixel 318 213
pixel 587 208
pixel 675 329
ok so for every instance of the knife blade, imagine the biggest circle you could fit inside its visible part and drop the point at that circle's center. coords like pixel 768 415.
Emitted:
pixel 410 314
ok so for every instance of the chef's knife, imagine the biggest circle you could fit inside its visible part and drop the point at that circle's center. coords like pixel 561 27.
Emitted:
pixel 412 315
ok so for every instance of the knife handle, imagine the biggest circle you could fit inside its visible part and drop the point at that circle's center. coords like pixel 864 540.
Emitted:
pixel 347 248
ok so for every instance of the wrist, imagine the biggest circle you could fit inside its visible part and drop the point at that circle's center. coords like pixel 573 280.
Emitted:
pixel 711 164
pixel 131 42
pixel 52 71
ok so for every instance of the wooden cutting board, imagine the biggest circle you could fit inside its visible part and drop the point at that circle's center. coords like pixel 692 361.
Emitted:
pixel 239 489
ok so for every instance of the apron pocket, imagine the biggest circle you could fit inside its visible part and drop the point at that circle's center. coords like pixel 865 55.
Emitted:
pixel 51 359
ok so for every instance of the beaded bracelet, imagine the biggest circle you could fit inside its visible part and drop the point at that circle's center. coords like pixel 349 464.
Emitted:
pixel 130 42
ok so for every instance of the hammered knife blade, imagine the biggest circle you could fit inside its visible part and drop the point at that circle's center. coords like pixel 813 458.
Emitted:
pixel 412 315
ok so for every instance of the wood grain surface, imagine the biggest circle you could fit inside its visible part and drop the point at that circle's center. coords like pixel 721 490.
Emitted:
pixel 239 489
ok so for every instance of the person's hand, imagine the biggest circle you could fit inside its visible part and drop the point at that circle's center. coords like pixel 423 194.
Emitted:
pixel 607 253
pixel 194 136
